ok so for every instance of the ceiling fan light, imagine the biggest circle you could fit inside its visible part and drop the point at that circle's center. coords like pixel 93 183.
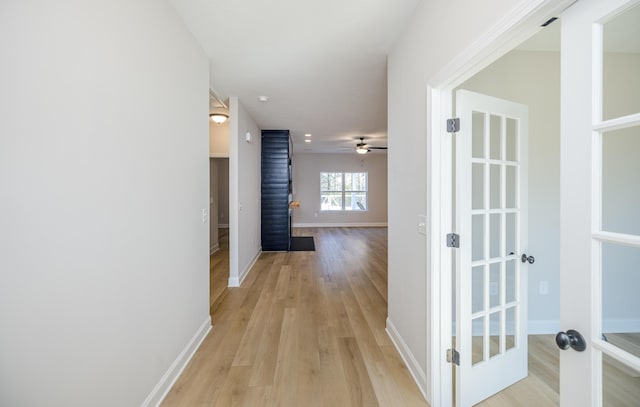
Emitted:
pixel 218 117
pixel 361 150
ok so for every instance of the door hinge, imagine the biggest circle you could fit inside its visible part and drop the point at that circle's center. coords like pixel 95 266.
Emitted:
pixel 453 357
pixel 453 240
pixel 453 125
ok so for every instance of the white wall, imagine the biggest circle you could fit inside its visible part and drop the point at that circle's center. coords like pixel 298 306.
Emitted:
pixel 219 139
pixel 306 188
pixel 533 79
pixel 418 55
pixel 103 177
pixel 244 192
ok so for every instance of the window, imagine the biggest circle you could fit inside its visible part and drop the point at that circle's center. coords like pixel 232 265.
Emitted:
pixel 343 191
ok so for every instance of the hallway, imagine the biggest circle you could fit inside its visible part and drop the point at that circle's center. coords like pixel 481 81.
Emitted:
pixel 305 329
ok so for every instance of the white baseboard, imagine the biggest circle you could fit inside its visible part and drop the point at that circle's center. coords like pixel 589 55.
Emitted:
pixel 237 281
pixel 223 226
pixel 341 225
pixel 167 381
pixel 629 325
pixel 214 249
pixel 543 327
pixel 407 356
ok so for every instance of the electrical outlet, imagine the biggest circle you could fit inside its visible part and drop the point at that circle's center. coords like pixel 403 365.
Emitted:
pixel 422 224
pixel 205 215
pixel 544 287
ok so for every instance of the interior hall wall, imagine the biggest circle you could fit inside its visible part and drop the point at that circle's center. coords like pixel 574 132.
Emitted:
pixel 306 189
pixel 104 177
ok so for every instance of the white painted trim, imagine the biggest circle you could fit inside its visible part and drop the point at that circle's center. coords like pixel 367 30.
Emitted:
pixel 618 123
pixel 237 281
pixel 223 226
pixel 519 24
pixel 341 225
pixel 620 355
pixel 409 360
pixel 214 249
pixel 218 155
pixel 167 381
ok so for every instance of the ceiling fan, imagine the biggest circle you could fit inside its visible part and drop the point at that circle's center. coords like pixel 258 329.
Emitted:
pixel 364 148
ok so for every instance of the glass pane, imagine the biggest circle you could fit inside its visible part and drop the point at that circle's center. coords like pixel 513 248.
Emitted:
pixel 510 281
pixel 496 190
pixel 477 135
pixel 620 186
pixel 477 233
pixel 510 322
pixel 494 285
pixel 620 299
pixel 477 341
pixel 512 140
pixel 355 181
pixel 355 201
pixel 494 326
pixel 494 235
pixel 510 234
pixel 331 201
pixel 620 384
pixel 331 181
pixel 495 145
pixel 621 64
pixel 477 189
pixel 511 187
pixel 477 289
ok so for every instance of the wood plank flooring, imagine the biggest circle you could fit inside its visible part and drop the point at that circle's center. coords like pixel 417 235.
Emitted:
pixel 305 329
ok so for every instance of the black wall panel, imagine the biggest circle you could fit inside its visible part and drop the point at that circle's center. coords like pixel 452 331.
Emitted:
pixel 276 219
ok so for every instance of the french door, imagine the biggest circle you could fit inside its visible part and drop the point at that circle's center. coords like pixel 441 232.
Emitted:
pixel 600 203
pixel 491 263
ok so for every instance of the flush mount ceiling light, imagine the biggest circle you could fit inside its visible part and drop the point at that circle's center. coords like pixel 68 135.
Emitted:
pixel 218 117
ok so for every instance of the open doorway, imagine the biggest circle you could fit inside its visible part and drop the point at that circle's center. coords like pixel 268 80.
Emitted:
pixel 515 208
pixel 530 75
pixel 219 253
pixel 218 200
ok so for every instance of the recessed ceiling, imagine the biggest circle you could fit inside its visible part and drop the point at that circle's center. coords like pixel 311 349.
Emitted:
pixel 322 64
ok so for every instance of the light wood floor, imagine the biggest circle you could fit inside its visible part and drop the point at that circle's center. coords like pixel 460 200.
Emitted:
pixel 307 329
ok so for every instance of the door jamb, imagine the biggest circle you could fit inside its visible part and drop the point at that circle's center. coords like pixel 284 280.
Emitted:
pixel 519 24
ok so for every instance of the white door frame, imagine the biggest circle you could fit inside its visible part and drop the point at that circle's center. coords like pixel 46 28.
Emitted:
pixel 521 23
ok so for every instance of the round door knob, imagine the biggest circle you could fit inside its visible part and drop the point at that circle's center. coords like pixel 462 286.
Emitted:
pixel 571 339
pixel 524 258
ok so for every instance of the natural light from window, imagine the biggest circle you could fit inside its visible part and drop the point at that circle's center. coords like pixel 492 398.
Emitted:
pixel 343 191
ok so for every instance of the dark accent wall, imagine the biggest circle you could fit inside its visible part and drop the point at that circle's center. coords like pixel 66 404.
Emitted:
pixel 276 183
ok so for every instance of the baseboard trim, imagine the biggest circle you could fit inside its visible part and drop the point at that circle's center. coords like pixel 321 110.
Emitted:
pixel 416 371
pixel 341 225
pixel 237 281
pixel 543 327
pixel 214 249
pixel 167 381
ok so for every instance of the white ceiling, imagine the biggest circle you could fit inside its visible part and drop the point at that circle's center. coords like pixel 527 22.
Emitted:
pixel 321 63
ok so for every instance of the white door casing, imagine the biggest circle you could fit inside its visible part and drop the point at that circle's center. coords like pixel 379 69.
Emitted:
pixel 582 236
pixel 491 220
